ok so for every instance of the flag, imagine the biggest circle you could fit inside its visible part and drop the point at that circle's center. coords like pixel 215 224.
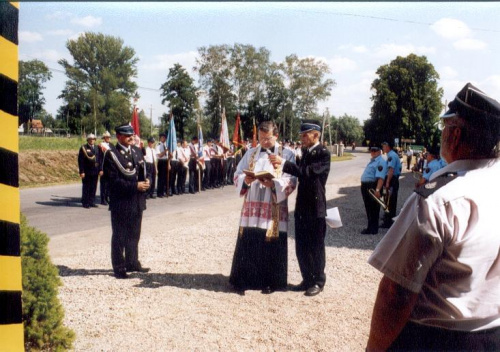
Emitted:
pixel 200 141
pixel 254 137
pixel 171 137
pixel 135 121
pixel 224 133
pixel 237 135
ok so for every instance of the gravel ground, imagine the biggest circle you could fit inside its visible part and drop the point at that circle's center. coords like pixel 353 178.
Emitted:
pixel 186 304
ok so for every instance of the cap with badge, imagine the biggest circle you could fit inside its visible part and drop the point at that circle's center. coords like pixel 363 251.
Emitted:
pixel 106 134
pixel 125 129
pixel 434 149
pixel 91 136
pixel 151 140
pixel 471 103
pixel 310 125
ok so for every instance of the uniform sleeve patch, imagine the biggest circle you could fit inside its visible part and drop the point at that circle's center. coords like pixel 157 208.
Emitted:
pixel 429 188
pixel 389 159
pixel 380 168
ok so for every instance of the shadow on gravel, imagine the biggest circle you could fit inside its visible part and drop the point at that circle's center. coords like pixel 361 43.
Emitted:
pixel 58 201
pixel 65 271
pixel 209 282
pixel 352 213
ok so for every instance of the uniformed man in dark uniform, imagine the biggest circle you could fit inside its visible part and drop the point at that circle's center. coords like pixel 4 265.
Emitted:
pixel 129 181
pixel 373 178
pixel 89 165
pixel 310 209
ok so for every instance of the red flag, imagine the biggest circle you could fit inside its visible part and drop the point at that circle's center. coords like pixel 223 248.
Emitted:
pixel 254 137
pixel 135 121
pixel 237 139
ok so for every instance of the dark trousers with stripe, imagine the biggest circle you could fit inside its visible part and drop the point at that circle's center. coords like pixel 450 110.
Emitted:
pixel 126 228
pixel 310 249
pixel 89 188
pixel 372 208
pixel 416 337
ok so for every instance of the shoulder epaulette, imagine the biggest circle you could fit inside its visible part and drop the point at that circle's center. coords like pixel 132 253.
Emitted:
pixel 429 188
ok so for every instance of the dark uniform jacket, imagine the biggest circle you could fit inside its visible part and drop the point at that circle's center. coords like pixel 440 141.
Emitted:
pixel 89 160
pixel 124 171
pixel 312 172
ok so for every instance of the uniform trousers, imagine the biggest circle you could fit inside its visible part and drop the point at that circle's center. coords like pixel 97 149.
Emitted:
pixel 89 187
pixel 416 337
pixel 181 178
pixel 229 171
pixel 162 177
pixel 216 171
pixel 206 174
pixel 193 176
pixel 310 249
pixel 152 170
pixel 393 200
pixel 104 189
pixel 126 227
pixel 173 175
pixel 372 208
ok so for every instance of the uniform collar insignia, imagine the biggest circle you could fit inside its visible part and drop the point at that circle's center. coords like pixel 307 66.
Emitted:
pixel 430 185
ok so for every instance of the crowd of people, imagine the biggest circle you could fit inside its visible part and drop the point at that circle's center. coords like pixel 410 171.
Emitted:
pixel 440 257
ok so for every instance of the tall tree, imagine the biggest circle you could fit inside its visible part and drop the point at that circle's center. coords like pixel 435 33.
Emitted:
pixel 32 75
pixel 180 93
pixel 103 68
pixel 407 101
pixel 307 86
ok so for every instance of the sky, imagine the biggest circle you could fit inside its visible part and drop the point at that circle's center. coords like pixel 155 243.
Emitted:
pixel 461 41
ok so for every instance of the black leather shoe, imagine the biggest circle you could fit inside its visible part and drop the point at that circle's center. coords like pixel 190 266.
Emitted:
pixel 104 203
pixel 313 291
pixel 298 288
pixel 94 206
pixel 153 197
pixel 86 206
pixel 369 232
pixel 139 269
pixel 122 274
pixel 267 290
pixel 386 225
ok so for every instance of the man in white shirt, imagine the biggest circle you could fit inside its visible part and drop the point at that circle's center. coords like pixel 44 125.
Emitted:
pixel 150 158
pixel 162 155
pixel 183 154
pixel 441 258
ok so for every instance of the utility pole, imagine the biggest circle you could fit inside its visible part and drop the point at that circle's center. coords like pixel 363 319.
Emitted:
pixel 151 118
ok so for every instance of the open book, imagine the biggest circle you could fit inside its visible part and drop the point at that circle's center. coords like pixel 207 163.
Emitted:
pixel 260 175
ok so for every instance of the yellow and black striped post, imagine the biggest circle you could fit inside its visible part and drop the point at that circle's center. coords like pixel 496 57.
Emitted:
pixel 11 325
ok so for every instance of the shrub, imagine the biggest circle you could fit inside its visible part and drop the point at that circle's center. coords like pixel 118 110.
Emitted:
pixel 42 312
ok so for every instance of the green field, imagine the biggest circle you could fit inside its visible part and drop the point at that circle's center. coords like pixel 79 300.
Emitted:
pixel 50 143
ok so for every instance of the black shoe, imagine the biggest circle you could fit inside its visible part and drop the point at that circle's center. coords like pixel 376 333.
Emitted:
pixel 139 269
pixel 122 274
pixel 161 196
pixel 104 203
pixel 86 206
pixel 298 288
pixel 313 291
pixel 267 290
pixel 153 197
pixel 369 232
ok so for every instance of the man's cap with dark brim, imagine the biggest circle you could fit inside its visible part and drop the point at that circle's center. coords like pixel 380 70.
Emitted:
pixel 471 102
pixel 125 130
pixel 310 125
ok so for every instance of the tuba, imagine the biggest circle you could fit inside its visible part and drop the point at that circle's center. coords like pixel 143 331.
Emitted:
pixel 383 201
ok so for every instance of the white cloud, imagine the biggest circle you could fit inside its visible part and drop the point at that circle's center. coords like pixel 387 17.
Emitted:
pixel 393 50
pixel 450 28
pixel 88 21
pixel 76 36
pixel 30 37
pixel 162 63
pixel 61 32
pixel 341 64
pixel 491 86
pixel 469 44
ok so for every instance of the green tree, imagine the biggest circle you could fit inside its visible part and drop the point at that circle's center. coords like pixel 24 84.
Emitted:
pixel 349 130
pixel 43 314
pixel 32 75
pixel 407 101
pixel 103 68
pixel 307 86
pixel 180 93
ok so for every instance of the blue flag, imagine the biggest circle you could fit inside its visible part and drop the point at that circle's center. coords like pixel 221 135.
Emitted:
pixel 171 137
pixel 200 141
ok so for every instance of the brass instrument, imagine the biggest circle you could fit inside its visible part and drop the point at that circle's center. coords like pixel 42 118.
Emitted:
pixel 417 175
pixel 383 201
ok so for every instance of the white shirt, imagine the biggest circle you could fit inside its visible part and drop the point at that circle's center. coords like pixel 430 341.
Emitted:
pixel 161 148
pixel 150 156
pixel 446 248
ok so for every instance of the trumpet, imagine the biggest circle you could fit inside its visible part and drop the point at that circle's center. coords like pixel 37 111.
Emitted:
pixel 383 201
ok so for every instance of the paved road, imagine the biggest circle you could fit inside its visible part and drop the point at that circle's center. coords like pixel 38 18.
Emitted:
pixel 57 210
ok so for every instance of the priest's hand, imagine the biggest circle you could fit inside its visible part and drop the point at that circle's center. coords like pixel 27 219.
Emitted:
pixel 267 182
pixel 249 180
